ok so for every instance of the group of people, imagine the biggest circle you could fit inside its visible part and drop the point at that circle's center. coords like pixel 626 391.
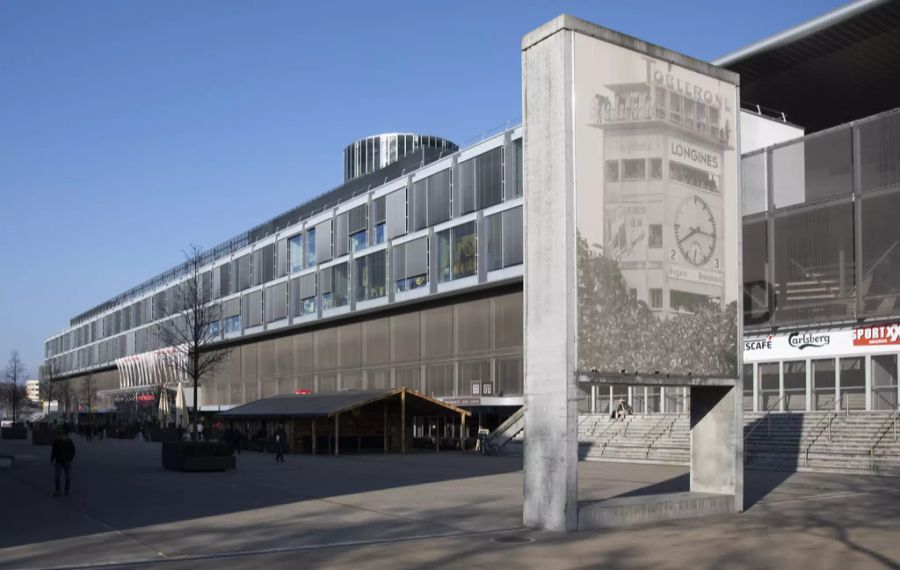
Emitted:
pixel 235 438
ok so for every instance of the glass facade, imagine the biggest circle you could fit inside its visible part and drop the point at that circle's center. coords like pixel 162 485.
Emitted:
pixel 820 241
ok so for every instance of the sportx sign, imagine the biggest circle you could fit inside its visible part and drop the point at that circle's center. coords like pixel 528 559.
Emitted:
pixel 876 335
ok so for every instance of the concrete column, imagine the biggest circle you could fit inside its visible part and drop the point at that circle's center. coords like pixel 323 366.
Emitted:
pixel 868 395
pixel 837 384
pixel 896 379
pixel 780 385
pixel 593 398
pixel 755 387
pixel 716 466
pixel 551 394
pixel 809 400
pixel 662 400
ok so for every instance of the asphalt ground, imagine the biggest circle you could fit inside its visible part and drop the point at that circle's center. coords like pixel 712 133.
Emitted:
pixel 415 511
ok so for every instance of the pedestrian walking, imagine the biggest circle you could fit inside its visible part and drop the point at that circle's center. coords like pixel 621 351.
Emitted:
pixel 280 442
pixel 199 431
pixel 61 455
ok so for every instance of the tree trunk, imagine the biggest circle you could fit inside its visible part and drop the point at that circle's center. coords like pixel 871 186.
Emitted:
pixel 194 360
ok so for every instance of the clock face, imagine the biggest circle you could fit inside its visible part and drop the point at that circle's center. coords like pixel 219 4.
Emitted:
pixel 696 230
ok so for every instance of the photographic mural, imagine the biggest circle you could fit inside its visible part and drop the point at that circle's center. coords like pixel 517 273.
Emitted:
pixel 658 223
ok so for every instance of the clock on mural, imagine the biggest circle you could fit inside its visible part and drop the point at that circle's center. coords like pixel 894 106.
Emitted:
pixel 695 230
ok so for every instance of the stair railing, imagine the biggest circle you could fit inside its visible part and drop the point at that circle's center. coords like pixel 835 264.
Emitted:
pixel 883 429
pixel 768 417
pixel 668 429
pixel 823 424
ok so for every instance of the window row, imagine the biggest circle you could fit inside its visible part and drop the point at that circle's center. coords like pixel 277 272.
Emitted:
pixel 483 181
pixel 829 384
pixel 500 377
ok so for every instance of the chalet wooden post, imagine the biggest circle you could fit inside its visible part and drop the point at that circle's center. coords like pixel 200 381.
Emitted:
pixel 403 422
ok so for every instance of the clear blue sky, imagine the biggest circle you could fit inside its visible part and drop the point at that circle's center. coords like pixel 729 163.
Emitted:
pixel 131 129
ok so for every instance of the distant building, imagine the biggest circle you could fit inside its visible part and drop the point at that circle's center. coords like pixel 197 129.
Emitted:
pixel 33 389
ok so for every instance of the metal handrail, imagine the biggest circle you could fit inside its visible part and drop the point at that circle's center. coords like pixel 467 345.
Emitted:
pixel 830 416
pixel 888 424
pixel 669 428
pixel 767 416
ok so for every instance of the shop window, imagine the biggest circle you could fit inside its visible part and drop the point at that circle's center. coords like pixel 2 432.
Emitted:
pixel 795 386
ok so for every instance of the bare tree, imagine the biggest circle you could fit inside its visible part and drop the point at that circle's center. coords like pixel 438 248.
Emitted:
pixel 14 370
pixel 46 387
pixel 10 393
pixel 66 393
pixel 88 393
pixel 195 327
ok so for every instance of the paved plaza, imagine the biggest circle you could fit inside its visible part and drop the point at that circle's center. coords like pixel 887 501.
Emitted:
pixel 416 511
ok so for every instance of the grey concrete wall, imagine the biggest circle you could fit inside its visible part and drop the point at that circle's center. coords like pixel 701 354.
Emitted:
pixel 717 442
pixel 551 458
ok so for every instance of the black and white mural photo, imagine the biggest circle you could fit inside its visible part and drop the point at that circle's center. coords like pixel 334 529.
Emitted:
pixel 658 224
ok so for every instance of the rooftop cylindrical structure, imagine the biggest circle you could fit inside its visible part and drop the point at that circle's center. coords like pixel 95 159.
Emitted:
pixel 373 153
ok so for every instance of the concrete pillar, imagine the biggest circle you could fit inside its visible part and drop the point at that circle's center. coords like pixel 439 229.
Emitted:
pixel 593 398
pixel 755 387
pixel 809 399
pixel 837 384
pixel 717 466
pixel 780 385
pixel 868 394
pixel 551 394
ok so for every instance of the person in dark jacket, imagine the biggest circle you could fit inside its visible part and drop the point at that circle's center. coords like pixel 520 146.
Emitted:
pixel 61 455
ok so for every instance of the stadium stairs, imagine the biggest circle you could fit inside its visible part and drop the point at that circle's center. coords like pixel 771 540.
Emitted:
pixel 835 442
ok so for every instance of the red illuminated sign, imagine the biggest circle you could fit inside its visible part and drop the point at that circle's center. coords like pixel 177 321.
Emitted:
pixel 145 397
pixel 875 335
pixel 302 392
